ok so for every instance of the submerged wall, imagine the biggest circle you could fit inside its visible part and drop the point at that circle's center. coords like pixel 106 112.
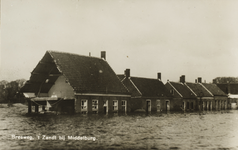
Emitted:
pixel 61 89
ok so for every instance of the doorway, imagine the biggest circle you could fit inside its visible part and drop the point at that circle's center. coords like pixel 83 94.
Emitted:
pixel 148 105
pixel 105 106
pixel 167 107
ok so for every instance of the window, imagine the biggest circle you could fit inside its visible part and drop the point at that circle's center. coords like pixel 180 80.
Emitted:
pixel 123 105
pixel 84 105
pixel 191 105
pixel 172 91
pixel 115 105
pixel 95 106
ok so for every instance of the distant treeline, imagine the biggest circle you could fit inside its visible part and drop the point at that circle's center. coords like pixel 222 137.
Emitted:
pixel 10 91
pixel 225 80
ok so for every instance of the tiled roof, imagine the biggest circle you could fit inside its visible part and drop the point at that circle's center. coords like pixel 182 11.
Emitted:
pixel 146 87
pixel 129 85
pixel 84 73
pixel 197 89
pixel 214 89
pixel 233 88
pixel 183 90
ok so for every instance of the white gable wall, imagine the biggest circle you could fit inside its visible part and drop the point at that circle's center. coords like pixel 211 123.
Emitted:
pixel 61 89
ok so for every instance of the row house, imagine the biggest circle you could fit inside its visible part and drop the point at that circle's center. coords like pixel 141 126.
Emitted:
pixel 147 94
pixel 198 95
pixel 74 83
pixel 220 100
pixel 183 98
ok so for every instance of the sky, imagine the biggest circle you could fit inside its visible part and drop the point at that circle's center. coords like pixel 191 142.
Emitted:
pixel 195 38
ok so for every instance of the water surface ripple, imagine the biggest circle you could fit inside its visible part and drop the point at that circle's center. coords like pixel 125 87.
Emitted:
pixel 214 130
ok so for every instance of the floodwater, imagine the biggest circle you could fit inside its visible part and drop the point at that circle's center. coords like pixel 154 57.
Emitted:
pixel 214 130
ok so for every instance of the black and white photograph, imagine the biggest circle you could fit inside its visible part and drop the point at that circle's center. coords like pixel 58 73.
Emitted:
pixel 119 74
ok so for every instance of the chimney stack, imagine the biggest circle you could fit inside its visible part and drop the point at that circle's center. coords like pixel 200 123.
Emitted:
pixel 199 80
pixel 103 55
pixel 196 81
pixel 214 81
pixel 127 73
pixel 182 79
pixel 159 75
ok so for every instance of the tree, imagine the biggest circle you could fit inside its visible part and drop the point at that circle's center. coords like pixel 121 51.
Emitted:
pixel 225 80
pixel 9 91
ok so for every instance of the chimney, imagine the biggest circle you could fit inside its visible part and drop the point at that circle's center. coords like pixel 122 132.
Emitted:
pixel 199 80
pixel 196 81
pixel 127 73
pixel 159 76
pixel 182 79
pixel 103 55
pixel 89 53
pixel 214 81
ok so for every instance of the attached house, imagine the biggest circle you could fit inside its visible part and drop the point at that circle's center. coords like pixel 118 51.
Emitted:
pixel 183 97
pixel 148 94
pixel 231 89
pixel 220 98
pixel 75 83
pixel 204 96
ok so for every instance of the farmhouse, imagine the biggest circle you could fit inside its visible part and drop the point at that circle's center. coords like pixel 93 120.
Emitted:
pixel 148 95
pixel 77 84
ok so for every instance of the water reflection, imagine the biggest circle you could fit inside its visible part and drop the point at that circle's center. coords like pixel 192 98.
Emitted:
pixel 162 130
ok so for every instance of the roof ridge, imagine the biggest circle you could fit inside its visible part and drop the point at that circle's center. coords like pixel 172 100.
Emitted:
pixel 54 51
pixel 176 82
pixel 145 78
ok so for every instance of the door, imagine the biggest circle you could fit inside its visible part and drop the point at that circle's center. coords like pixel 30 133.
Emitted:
pixel 105 106
pixel 124 105
pixel 187 106
pixel 167 105
pixel 148 105
pixel 191 105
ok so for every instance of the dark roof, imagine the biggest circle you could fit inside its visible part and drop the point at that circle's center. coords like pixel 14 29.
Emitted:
pixel 129 85
pixel 214 89
pixel 198 88
pixel 84 73
pixel 233 88
pixel 145 87
pixel 182 89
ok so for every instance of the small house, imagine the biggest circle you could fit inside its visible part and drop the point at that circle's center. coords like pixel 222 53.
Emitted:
pixel 184 98
pixel 204 96
pixel 220 98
